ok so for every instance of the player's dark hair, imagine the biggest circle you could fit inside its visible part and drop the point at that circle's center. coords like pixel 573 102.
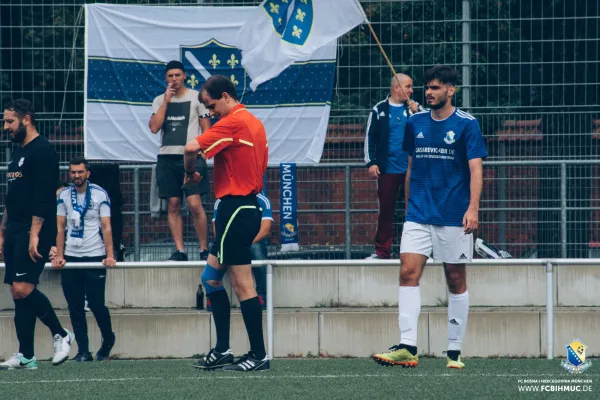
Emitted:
pixel 216 85
pixel 174 65
pixel 443 73
pixel 79 161
pixel 22 107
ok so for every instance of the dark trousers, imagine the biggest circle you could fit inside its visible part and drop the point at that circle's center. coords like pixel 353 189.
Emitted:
pixel 389 187
pixel 78 284
pixel 259 252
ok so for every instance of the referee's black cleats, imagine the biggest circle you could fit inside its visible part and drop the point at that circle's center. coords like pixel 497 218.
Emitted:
pixel 215 360
pixel 249 363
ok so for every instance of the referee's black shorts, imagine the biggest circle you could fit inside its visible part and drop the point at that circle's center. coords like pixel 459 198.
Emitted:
pixel 236 226
pixel 19 267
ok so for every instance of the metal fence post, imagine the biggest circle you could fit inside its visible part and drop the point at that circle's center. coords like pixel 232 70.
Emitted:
pixel 270 350
pixel 563 210
pixel 502 196
pixel 136 213
pixel 348 222
pixel 466 54
pixel 549 312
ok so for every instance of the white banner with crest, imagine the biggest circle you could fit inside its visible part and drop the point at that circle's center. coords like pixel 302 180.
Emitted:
pixel 127 48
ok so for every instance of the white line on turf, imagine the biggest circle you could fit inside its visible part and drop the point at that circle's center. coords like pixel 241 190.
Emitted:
pixel 211 376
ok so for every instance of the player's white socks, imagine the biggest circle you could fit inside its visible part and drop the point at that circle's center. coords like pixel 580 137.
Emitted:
pixel 458 311
pixel 409 308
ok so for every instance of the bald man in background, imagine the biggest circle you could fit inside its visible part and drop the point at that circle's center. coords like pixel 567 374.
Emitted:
pixel 385 158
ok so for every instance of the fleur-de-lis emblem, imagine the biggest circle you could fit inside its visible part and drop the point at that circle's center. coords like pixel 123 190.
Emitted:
pixel 234 81
pixel 304 1
pixel 285 1
pixel 297 32
pixel 214 61
pixel 232 61
pixel 192 81
pixel 279 21
pixel 300 15
pixel 274 8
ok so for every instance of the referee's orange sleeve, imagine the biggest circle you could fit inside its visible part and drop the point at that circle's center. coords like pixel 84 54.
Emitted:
pixel 217 138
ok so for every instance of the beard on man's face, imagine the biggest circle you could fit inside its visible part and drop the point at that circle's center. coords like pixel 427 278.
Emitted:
pixel 19 135
pixel 79 182
pixel 439 104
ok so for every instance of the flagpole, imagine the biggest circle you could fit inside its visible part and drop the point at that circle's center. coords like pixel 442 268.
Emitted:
pixel 409 101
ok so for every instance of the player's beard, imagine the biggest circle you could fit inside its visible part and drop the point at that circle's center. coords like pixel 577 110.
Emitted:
pixel 18 135
pixel 440 104
pixel 79 183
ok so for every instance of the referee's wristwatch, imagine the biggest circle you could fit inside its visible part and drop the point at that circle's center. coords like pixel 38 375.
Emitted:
pixel 188 173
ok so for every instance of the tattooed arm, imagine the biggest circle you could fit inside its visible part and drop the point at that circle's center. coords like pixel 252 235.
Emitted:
pixel 34 240
pixel 36 225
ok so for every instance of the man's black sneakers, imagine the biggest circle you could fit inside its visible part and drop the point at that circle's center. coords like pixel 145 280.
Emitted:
pixel 249 363
pixel 83 356
pixel 178 256
pixel 107 345
pixel 215 360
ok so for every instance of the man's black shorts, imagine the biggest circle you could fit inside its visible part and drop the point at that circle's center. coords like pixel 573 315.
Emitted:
pixel 19 267
pixel 236 226
pixel 170 173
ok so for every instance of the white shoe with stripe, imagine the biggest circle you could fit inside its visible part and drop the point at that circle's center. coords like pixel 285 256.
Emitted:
pixel 62 347
pixel 215 360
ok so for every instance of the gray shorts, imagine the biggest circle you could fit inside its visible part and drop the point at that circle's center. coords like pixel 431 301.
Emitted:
pixel 170 173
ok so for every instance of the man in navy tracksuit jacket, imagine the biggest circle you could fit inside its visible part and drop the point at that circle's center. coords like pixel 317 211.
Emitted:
pixel 386 160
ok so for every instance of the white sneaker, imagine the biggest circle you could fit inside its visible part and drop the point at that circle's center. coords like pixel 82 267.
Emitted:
pixel 486 250
pixel 62 347
pixel 373 256
pixel 17 361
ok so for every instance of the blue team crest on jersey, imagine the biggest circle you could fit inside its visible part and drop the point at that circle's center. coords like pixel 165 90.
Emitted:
pixel 213 58
pixel 293 26
pixel 449 139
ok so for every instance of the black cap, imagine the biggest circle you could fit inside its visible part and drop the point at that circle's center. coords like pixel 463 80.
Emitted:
pixel 174 65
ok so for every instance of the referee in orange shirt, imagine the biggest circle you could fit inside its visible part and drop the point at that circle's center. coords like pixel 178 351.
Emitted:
pixel 239 145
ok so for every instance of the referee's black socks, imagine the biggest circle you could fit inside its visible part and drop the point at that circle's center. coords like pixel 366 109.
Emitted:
pixel 221 310
pixel 44 311
pixel 252 313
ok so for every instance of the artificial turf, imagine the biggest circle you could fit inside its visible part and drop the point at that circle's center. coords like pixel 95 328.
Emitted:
pixel 290 379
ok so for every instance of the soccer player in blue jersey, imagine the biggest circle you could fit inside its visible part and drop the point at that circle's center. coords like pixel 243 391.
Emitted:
pixel 444 183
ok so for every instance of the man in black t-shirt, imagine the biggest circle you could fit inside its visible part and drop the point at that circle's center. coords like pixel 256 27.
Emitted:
pixel 27 232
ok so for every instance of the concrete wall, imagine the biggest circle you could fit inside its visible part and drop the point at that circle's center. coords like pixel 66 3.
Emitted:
pixel 335 332
pixel 342 286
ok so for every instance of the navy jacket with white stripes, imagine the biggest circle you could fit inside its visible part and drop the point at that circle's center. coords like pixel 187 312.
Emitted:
pixel 378 133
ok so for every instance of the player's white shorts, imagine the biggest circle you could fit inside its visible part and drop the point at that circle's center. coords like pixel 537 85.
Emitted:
pixel 449 244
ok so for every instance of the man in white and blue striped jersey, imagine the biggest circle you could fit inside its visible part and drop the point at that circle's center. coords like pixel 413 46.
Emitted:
pixel 85 235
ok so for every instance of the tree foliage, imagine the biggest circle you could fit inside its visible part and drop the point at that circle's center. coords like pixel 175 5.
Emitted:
pixel 523 54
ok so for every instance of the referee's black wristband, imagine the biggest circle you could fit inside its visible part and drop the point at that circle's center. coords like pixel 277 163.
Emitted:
pixel 190 173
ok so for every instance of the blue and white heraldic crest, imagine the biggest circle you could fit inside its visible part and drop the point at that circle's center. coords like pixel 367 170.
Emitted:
pixel 213 58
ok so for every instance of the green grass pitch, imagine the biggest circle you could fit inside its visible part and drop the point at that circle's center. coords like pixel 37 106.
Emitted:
pixel 290 379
